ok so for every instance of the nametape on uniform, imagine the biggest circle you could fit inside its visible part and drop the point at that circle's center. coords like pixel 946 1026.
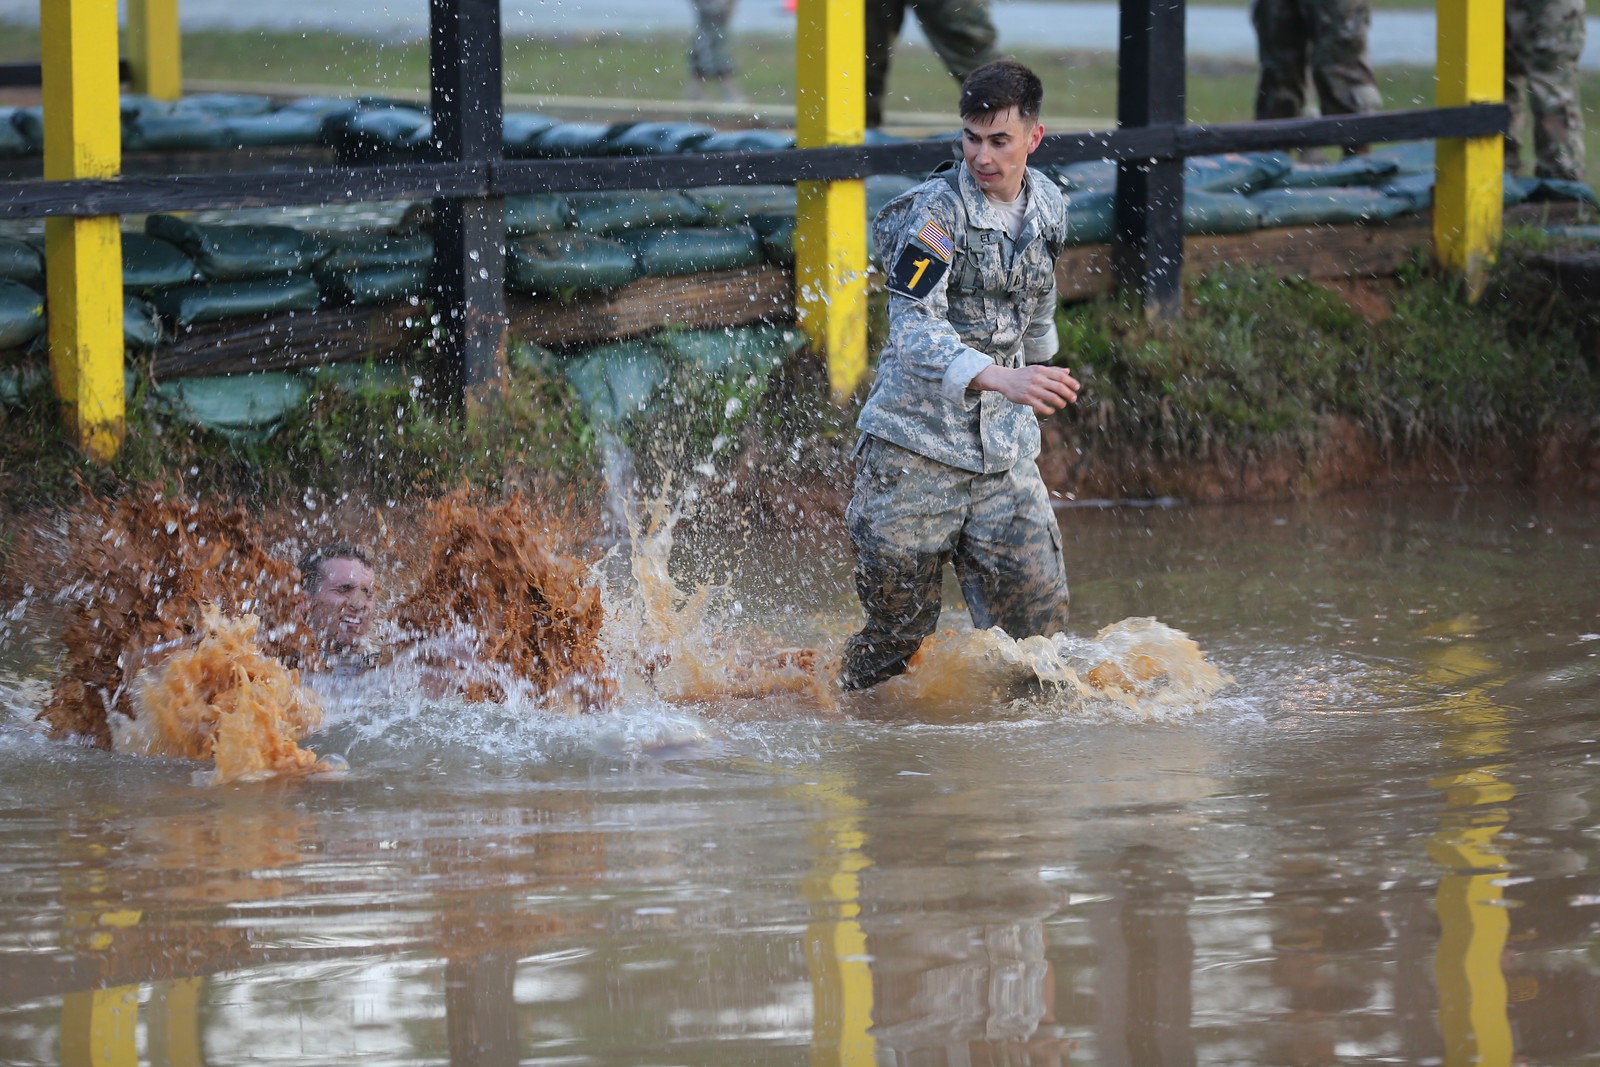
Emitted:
pixel 916 272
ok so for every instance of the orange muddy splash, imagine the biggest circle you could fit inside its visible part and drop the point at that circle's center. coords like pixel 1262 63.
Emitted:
pixel 494 579
pixel 138 572
pixel 223 700
pixel 685 651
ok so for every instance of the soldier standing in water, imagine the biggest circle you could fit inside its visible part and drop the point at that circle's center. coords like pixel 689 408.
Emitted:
pixel 1543 41
pixel 946 466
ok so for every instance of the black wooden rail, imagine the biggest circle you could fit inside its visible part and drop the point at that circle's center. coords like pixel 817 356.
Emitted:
pixel 467 175
pixel 31 75
pixel 143 194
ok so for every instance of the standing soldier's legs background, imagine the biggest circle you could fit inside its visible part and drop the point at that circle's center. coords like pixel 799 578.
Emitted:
pixel 905 514
pixel 884 19
pixel 1009 557
pixel 1283 43
pixel 961 32
pixel 1340 65
pixel 1543 41
pixel 710 58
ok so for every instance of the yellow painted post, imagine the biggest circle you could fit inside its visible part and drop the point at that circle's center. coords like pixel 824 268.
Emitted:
pixel 155 56
pixel 1467 191
pixel 830 239
pixel 83 139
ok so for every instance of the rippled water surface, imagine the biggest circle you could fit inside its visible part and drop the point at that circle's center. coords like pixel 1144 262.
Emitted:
pixel 1379 843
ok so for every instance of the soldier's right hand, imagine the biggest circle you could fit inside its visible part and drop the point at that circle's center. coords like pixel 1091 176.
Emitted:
pixel 1043 388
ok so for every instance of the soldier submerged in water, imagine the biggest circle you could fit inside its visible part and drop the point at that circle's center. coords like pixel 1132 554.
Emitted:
pixel 946 465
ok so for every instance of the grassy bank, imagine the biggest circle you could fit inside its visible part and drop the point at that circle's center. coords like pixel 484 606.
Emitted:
pixel 1079 85
pixel 1255 364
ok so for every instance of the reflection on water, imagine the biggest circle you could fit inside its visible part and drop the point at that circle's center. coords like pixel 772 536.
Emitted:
pixel 1379 843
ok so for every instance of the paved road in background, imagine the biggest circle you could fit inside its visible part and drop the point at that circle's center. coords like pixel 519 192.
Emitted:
pixel 1223 32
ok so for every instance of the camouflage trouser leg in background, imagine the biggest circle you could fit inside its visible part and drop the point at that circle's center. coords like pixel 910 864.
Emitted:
pixel 1321 43
pixel 961 32
pixel 709 57
pixel 1543 41
pixel 908 516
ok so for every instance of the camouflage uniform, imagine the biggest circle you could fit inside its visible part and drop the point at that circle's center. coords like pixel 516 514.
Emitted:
pixel 709 58
pixel 1543 41
pixel 944 473
pixel 960 31
pixel 1323 42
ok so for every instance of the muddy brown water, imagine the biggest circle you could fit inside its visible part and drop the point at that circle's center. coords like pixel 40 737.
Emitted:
pixel 1380 843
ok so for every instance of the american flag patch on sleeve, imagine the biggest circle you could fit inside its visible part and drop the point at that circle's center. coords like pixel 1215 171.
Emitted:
pixel 934 237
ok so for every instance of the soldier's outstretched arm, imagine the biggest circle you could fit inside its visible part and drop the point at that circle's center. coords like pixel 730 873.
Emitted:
pixel 1043 388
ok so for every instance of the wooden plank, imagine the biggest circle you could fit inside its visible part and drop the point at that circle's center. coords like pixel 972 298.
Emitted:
pixel 289 340
pixel 723 298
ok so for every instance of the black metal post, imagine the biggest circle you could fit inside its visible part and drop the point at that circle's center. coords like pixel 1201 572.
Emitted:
pixel 1149 207
pixel 468 233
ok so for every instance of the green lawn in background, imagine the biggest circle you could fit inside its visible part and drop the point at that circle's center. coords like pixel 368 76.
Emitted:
pixel 1078 85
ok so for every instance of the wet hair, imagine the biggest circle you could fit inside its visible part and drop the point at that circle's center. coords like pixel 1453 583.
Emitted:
pixel 994 87
pixel 311 563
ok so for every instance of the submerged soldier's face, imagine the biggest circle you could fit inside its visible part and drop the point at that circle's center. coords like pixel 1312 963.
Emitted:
pixel 997 150
pixel 340 611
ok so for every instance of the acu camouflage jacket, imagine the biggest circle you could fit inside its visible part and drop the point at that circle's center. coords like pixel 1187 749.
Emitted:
pixel 956 307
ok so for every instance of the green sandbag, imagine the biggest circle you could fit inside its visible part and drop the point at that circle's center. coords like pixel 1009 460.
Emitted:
pixel 1209 214
pixel 20 261
pixel 554 263
pixel 633 210
pixel 18 382
pixel 1091 216
pixel 1547 189
pixel 1234 172
pixel 663 253
pixel 224 105
pixel 228 253
pixel 757 350
pixel 746 141
pixel 1096 174
pixel 12 141
pixel 1357 170
pixel 179 131
pixel 189 305
pixel 277 128
pixel 617 380
pixel 21 314
pixel 540 213
pixel 777 244
pixel 1414 190
pixel 520 133
pixel 655 138
pixel 141 330
pixel 731 205
pixel 29 121
pixel 362 250
pixel 373 135
pixel 321 106
pixel 1412 157
pixel 373 285
pixel 247 407
pixel 151 263
pixel 568 139
pixel 1304 207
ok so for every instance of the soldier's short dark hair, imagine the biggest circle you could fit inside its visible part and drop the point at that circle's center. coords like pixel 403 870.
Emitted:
pixel 311 562
pixel 1005 83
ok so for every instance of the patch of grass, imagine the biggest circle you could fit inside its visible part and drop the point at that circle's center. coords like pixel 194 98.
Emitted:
pixel 1256 362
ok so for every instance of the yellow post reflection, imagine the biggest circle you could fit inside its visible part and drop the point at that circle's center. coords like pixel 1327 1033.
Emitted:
pixel 1473 921
pixel 836 946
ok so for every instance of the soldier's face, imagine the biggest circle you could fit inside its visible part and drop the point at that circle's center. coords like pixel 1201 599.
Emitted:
pixel 997 150
pixel 340 611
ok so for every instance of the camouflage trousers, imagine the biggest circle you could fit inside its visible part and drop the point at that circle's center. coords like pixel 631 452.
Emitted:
pixel 1321 43
pixel 908 516
pixel 709 56
pixel 1543 41
pixel 961 32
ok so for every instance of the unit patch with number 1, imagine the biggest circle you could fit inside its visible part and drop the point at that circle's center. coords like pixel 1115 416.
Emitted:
pixel 925 260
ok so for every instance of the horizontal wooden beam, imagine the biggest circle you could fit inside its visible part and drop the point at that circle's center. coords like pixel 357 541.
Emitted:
pixel 31 75
pixel 135 195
